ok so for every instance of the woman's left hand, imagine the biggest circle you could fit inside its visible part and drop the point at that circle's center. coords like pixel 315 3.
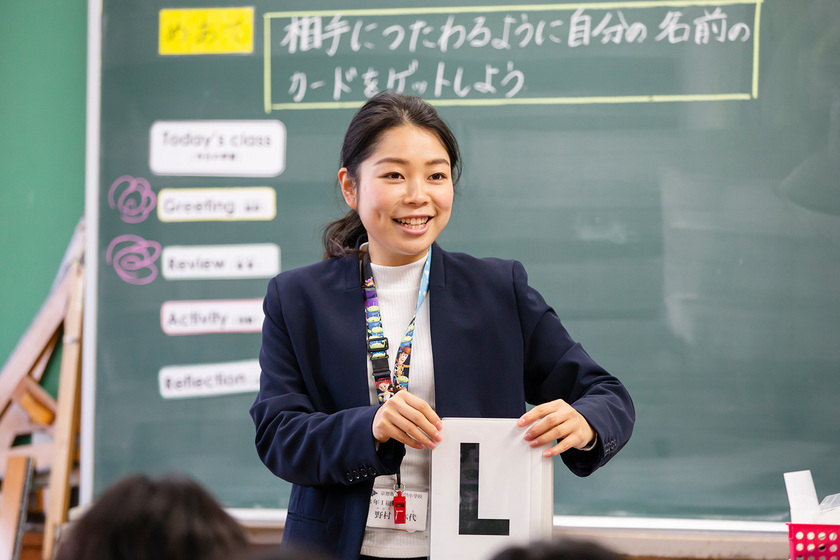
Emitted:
pixel 556 420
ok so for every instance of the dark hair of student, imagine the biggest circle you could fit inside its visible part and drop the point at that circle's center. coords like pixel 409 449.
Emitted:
pixel 382 112
pixel 563 549
pixel 172 518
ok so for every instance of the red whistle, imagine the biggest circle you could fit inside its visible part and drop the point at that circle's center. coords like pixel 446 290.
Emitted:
pixel 399 508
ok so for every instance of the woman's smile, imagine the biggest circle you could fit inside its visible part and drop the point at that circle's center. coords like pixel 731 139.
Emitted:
pixel 414 225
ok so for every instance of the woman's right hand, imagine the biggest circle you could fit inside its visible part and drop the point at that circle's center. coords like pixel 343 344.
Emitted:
pixel 407 419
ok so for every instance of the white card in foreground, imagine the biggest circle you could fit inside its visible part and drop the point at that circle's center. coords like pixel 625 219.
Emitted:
pixel 490 489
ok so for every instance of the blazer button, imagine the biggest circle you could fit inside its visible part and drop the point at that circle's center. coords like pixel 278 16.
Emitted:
pixel 355 474
pixel 348 476
pixel 372 471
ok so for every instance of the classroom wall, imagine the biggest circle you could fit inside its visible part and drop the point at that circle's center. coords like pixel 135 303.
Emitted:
pixel 43 46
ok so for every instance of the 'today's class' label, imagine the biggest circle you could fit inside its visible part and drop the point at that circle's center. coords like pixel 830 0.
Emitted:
pixel 254 148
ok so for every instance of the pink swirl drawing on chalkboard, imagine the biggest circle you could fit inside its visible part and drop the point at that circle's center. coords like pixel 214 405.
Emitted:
pixel 134 258
pixel 135 201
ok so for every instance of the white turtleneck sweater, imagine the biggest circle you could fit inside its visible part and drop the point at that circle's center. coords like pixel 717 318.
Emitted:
pixel 396 289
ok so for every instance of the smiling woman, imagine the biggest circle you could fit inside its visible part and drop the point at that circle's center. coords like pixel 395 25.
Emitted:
pixel 336 417
pixel 403 194
pixel 363 137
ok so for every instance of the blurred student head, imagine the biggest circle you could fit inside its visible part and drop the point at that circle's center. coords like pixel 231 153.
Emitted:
pixel 170 518
pixel 561 549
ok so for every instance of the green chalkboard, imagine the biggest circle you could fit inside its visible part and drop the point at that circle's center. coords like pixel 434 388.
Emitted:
pixel 42 203
pixel 666 171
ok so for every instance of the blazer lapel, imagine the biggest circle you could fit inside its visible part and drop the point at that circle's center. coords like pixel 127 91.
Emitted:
pixel 349 364
pixel 441 306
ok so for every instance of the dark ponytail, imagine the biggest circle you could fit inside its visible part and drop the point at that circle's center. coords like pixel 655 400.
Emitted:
pixel 382 112
pixel 340 237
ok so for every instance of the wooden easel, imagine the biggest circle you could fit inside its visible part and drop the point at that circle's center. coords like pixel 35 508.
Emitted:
pixel 27 409
pixel 16 487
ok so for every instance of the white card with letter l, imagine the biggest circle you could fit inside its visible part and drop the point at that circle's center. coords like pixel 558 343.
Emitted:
pixel 490 489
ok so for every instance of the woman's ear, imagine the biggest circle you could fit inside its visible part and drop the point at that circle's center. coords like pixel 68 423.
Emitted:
pixel 348 188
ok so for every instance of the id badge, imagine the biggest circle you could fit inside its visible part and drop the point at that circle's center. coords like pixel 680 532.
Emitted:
pixel 383 513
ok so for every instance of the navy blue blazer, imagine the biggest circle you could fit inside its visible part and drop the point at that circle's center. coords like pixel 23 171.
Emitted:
pixel 496 344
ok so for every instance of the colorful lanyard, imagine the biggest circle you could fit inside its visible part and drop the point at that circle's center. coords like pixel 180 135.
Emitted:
pixel 377 343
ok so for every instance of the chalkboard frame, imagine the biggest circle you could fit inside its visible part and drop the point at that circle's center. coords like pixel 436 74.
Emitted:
pixel 92 205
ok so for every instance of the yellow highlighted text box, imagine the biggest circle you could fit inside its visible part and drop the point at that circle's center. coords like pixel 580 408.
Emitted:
pixel 207 31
